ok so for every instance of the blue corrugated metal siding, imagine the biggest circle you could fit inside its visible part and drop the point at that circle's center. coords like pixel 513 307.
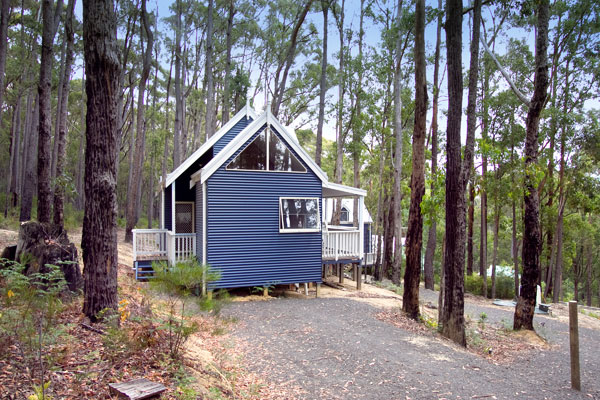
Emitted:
pixel 228 137
pixel 168 207
pixel 199 201
pixel 243 239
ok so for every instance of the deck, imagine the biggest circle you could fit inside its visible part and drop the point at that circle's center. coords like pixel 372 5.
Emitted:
pixel 341 245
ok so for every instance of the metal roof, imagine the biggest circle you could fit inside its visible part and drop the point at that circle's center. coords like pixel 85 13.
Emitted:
pixel 330 189
pixel 247 111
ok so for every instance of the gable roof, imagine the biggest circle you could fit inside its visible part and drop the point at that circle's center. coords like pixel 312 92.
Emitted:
pixel 246 111
pixel 229 150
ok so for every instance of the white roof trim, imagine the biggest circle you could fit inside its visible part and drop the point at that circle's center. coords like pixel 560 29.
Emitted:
pixel 245 135
pixel 347 190
pixel 247 111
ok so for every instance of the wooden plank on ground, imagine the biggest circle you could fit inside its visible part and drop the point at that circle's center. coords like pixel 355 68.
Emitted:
pixel 137 389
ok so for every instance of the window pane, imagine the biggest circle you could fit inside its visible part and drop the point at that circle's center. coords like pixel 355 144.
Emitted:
pixel 300 213
pixel 254 156
pixel 281 158
pixel 345 215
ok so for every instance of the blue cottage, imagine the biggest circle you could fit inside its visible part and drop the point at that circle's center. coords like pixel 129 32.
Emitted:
pixel 249 203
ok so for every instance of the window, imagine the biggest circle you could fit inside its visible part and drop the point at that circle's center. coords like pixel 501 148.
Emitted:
pixel 299 214
pixel 254 156
pixel 281 158
pixel 266 146
pixel 345 215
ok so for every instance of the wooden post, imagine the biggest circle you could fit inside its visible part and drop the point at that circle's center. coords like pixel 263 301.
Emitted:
pixel 305 289
pixel 359 280
pixel 265 291
pixel 318 289
pixel 574 341
pixel 341 272
pixel 354 274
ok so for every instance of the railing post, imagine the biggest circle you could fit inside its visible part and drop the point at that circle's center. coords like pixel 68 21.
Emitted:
pixel 134 246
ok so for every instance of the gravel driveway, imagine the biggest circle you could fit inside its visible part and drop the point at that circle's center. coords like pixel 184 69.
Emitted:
pixel 334 348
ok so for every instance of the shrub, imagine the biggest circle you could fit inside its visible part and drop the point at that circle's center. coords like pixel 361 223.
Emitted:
pixel 29 306
pixel 504 286
pixel 178 282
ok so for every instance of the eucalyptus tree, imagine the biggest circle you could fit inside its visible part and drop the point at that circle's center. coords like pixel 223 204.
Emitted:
pixel 51 17
pixel 140 138
pixel 99 240
pixel 414 236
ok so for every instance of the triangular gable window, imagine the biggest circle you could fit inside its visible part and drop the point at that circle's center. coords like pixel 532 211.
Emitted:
pixel 255 155
pixel 281 158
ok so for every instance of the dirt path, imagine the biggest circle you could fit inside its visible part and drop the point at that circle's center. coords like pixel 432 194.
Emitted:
pixel 334 348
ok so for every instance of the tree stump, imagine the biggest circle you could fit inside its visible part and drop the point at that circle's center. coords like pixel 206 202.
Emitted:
pixel 41 244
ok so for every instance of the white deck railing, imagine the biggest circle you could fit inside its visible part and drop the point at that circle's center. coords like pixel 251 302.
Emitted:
pixel 341 244
pixel 161 244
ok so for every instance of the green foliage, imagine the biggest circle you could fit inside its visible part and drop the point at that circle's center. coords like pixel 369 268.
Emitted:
pixel 29 306
pixel 505 286
pixel 178 283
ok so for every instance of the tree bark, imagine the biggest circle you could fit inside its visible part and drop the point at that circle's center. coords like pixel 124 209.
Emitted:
pixel 227 79
pixel 30 164
pixel 140 136
pixel 414 236
pixel 432 234
pixel 5 11
pixel 61 149
pixel 357 133
pixel 453 323
pixel 289 58
pixel 50 24
pixel 322 85
pixel 210 83
pixel 397 210
pixel 177 83
pixel 81 155
pixel 531 236
pixel 470 218
pixel 99 239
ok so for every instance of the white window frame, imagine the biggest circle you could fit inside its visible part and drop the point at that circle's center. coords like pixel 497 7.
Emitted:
pixel 303 230
pixel 268 133
pixel 344 209
pixel 193 215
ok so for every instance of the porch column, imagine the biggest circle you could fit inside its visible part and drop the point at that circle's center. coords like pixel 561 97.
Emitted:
pixel 361 226
pixel 173 207
pixel 162 207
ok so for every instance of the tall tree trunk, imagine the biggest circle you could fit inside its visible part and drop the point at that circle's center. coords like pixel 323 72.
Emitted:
pixel 531 236
pixel 483 235
pixel 414 236
pixel 495 250
pixel 432 234
pixel 99 238
pixel 11 183
pixel 177 84
pixel 357 126
pixel 289 58
pixel 5 11
pixel 588 270
pixel 378 270
pixel 470 218
pixel 397 178
pixel 59 190
pixel 51 19
pixel 30 164
pixel 453 320
pixel 80 157
pixel 514 243
pixel 210 83
pixel 322 85
pixel 227 79
pixel 339 159
pixel 140 136
pixel 59 96
pixel 388 232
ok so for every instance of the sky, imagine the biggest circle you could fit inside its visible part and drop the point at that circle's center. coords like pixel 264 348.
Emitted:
pixel 372 38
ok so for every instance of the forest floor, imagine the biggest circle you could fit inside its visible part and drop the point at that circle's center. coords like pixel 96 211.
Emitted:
pixel 343 345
